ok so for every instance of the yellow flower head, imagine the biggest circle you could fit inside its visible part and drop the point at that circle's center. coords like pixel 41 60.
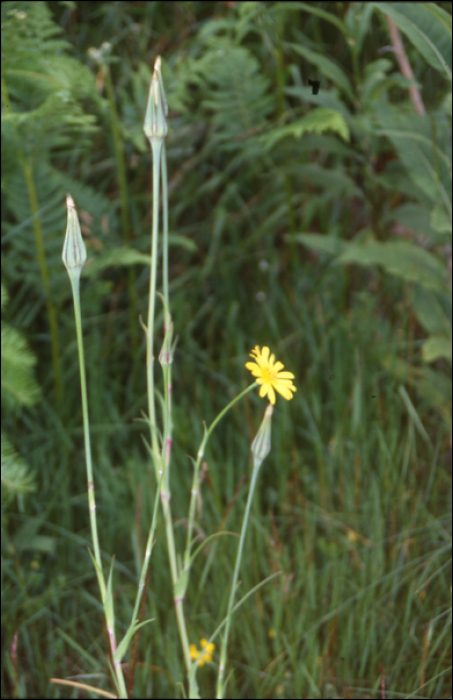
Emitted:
pixel 268 374
pixel 206 653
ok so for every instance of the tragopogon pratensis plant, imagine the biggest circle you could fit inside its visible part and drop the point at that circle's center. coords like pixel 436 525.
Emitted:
pixel 269 376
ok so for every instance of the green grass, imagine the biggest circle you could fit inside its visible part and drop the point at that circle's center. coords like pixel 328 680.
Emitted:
pixel 353 504
pixel 352 508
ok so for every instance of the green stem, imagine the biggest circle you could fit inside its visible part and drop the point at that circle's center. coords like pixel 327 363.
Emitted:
pixel 165 226
pixel 86 429
pixel 149 547
pixel 195 482
pixel 162 461
pixel 75 279
pixel 156 144
pixel 224 645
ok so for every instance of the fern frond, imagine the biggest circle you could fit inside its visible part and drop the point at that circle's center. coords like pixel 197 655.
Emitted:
pixel 43 85
pixel 236 92
pixel 16 475
pixel 318 121
pixel 19 386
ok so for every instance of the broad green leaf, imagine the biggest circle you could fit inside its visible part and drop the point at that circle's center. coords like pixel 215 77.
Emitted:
pixel 430 311
pixel 326 67
pixel 320 243
pixel 115 258
pixel 375 80
pixel 436 347
pixel 416 218
pixel 123 256
pixel 440 220
pixel 401 259
pixel 357 20
pixel 432 386
pixel 423 146
pixel 427 26
pixel 312 9
pixel 334 182
pixel 183 241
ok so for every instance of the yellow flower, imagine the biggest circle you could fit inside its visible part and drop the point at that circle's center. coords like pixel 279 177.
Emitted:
pixel 269 375
pixel 206 653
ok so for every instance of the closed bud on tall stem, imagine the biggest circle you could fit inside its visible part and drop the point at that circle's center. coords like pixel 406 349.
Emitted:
pixel 261 446
pixel 74 250
pixel 155 126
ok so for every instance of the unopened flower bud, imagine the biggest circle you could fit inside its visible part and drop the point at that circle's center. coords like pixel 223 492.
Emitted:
pixel 166 354
pixel 261 446
pixel 74 251
pixel 155 126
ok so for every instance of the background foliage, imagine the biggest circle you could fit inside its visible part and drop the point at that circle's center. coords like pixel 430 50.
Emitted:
pixel 317 224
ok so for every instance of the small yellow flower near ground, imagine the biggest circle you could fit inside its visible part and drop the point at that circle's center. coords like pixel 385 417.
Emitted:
pixel 352 536
pixel 206 653
pixel 268 373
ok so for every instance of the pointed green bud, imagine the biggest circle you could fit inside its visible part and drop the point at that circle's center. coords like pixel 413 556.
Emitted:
pixel 157 65
pixel 261 446
pixel 74 251
pixel 166 354
pixel 155 126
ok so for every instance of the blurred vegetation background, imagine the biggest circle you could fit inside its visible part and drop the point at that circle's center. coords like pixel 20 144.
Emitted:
pixel 319 225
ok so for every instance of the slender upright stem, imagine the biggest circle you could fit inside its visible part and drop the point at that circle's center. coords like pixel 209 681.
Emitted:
pixel 196 476
pixel 156 144
pixel 224 645
pixel 162 458
pixel 86 431
pixel 165 225
pixel 148 550
pixel 75 278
